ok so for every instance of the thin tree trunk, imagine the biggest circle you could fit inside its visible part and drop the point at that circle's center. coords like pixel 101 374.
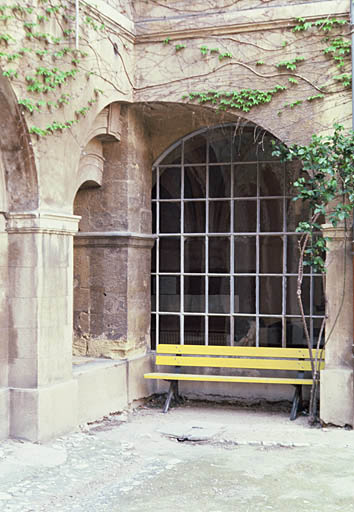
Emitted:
pixel 313 353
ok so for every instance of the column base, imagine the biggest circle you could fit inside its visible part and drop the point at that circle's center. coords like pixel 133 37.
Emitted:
pixel 337 396
pixel 43 413
pixel 112 349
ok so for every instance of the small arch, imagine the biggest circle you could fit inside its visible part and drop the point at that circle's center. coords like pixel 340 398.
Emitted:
pixel 107 125
pixel 91 166
pixel 106 128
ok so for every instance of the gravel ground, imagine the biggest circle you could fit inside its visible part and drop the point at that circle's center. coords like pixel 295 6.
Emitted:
pixel 200 457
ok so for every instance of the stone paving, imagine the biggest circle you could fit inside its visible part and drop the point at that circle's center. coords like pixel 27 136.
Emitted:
pixel 199 457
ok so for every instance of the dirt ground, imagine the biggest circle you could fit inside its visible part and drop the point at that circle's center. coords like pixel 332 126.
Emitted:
pixel 198 457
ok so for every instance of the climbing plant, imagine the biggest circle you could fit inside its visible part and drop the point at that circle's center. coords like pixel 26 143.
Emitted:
pixel 327 186
pixel 38 54
pixel 334 46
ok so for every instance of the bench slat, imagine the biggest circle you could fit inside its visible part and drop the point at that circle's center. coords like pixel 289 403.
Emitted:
pixel 223 362
pixel 290 353
pixel 226 378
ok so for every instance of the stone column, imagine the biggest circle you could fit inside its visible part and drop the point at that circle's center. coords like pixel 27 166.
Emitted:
pixel 112 293
pixel 337 397
pixel 42 392
pixel 4 322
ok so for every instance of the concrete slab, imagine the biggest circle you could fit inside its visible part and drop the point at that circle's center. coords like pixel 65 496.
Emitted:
pixel 248 461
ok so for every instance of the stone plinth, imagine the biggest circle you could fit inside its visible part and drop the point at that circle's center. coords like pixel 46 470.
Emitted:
pixel 106 386
pixel 112 294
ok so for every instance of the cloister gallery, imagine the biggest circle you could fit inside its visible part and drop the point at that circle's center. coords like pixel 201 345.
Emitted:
pixel 141 202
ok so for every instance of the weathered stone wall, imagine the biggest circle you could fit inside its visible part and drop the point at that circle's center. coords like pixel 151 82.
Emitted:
pixel 124 7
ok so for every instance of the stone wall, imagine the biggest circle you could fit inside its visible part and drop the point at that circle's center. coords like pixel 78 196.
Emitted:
pixel 149 9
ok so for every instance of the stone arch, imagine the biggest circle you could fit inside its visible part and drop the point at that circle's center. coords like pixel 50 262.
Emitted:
pixel 168 122
pixel 18 193
pixel 17 157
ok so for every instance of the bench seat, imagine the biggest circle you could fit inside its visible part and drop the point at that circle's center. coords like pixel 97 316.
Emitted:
pixel 227 378
pixel 296 361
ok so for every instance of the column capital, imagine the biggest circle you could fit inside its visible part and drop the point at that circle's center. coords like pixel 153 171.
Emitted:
pixel 42 222
pixel 337 233
pixel 113 239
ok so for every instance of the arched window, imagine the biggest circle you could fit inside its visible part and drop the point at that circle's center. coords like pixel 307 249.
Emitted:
pixel 224 267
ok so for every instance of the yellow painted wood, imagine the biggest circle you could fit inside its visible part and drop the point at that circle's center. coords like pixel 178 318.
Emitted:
pixel 226 378
pixel 230 362
pixel 295 353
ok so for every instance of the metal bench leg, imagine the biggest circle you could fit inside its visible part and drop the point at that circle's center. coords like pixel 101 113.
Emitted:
pixel 297 403
pixel 178 398
pixel 169 397
pixel 172 392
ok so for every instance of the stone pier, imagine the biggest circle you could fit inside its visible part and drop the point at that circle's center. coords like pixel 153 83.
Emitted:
pixel 337 397
pixel 42 392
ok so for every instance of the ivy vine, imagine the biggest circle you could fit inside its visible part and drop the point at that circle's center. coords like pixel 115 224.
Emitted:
pixel 37 52
pixel 243 100
pixel 336 47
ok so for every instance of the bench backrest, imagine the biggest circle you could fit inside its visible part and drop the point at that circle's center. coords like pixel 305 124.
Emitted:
pixel 266 358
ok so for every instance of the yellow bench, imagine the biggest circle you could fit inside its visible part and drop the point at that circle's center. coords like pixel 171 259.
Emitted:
pixel 255 358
